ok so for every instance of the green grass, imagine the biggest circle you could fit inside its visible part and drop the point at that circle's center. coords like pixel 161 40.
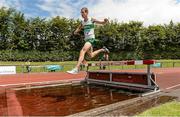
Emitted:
pixel 67 65
pixel 169 63
pixel 21 65
pixel 168 109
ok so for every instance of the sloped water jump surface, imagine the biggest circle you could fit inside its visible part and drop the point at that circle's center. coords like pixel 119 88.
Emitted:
pixel 59 100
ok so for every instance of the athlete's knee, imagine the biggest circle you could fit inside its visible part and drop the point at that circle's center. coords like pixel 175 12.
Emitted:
pixel 91 55
pixel 83 50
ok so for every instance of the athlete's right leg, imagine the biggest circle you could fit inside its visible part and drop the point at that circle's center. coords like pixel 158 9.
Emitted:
pixel 83 51
pixel 87 46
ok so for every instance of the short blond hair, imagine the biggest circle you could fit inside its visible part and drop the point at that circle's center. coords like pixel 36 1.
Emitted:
pixel 85 9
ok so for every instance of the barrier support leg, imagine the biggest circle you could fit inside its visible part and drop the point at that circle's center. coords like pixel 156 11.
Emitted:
pixel 149 75
pixel 150 81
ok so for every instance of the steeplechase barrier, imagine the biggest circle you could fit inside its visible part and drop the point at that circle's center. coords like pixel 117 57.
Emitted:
pixel 139 81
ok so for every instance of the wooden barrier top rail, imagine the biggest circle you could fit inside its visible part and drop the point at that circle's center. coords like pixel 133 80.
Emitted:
pixel 129 62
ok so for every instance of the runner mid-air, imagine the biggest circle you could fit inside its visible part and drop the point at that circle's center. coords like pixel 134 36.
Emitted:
pixel 88 24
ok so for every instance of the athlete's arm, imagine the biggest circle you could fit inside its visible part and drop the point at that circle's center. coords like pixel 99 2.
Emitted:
pixel 100 22
pixel 78 29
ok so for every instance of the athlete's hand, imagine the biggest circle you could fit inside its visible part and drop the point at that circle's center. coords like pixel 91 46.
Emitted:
pixel 106 20
pixel 76 33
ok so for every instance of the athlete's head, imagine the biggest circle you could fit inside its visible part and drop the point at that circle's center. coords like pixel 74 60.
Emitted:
pixel 84 12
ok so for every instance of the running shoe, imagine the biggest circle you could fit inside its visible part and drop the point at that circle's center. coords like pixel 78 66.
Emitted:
pixel 106 50
pixel 73 71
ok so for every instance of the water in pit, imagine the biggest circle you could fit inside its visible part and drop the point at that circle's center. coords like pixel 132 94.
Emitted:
pixel 59 100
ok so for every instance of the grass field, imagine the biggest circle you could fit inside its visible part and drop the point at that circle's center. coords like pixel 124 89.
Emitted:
pixel 67 65
pixel 168 109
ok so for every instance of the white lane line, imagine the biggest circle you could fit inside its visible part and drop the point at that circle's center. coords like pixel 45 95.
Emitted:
pixel 173 86
pixel 44 82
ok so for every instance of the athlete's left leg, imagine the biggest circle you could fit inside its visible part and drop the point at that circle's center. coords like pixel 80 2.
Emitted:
pixel 95 53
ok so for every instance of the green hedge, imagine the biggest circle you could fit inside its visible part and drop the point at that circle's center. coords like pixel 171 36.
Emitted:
pixel 7 55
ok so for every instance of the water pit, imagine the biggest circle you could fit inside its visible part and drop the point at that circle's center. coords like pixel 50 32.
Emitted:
pixel 63 100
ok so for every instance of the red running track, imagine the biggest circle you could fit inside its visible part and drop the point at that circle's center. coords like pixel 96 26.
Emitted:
pixel 167 78
pixel 26 78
